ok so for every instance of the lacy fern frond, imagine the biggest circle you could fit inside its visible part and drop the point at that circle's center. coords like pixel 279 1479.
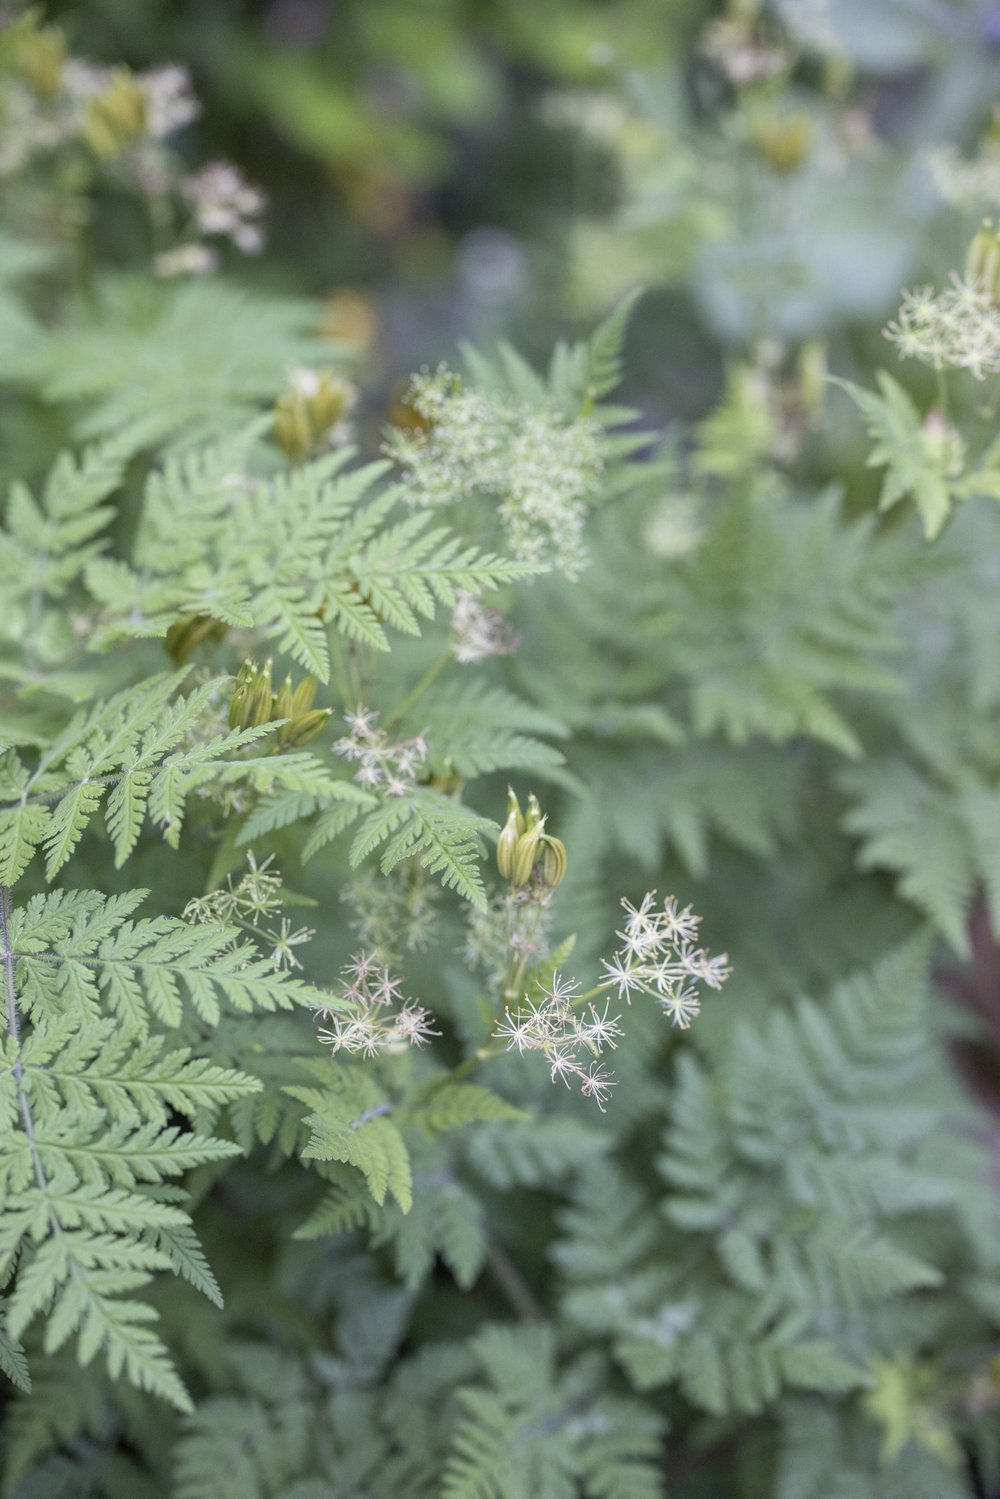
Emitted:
pixel 89 1106
pixel 293 555
pixel 172 363
pixel 132 749
pixel 423 824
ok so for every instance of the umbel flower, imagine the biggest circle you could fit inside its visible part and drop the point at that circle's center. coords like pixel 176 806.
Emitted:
pixel 541 468
pixel 380 1018
pixel 658 956
pixel 959 327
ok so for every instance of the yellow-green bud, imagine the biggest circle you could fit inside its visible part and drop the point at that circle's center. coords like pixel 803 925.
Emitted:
pixel 293 735
pixel 283 703
pixel 784 142
pixel 39 55
pixel 553 860
pixel 239 703
pixel 305 416
pixel 304 696
pixel 507 842
pixel 186 634
pixel 526 851
pixel 262 697
pixel 116 118
pixel 982 260
pixel 534 814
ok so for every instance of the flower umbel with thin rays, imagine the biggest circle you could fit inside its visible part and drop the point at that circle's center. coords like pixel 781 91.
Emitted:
pixel 657 956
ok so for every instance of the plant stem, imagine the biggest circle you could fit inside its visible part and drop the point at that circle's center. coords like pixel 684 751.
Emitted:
pixel 425 681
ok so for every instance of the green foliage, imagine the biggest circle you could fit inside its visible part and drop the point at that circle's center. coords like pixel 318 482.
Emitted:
pixel 293 1201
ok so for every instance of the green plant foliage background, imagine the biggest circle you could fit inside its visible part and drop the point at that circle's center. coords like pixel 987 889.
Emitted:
pixel 644 255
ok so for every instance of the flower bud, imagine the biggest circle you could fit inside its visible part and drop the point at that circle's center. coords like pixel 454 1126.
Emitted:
pixel 526 851
pixel 116 118
pixel 303 728
pixel 553 860
pixel 304 696
pixel 784 143
pixel 509 835
pixel 307 416
pixel 283 703
pixel 239 703
pixel 262 697
pixel 982 260
pixel 39 55
pixel 184 635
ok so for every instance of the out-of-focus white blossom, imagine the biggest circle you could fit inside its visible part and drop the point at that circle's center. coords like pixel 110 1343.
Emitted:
pixel 226 205
pixel 957 328
pixel 383 764
pixel 540 467
pixel 477 632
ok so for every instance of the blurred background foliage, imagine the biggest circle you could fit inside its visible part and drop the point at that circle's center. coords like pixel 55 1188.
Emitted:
pixel 472 167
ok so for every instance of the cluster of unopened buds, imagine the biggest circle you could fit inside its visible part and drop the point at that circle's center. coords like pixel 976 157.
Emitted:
pixel 657 956
pixel 383 764
pixel 373 1024
pixel 526 853
pixel 313 414
pixel 254 703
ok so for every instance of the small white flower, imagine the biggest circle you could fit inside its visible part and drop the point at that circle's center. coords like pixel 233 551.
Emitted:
pixel 597 1084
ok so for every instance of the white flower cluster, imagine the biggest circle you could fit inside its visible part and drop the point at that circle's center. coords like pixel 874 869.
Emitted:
pixel 373 1026
pixel 968 181
pixel 957 328
pixel 569 1042
pixel 250 903
pixel 383 764
pixel 478 632
pixel 657 956
pixel 225 205
pixel 34 125
pixel 542 468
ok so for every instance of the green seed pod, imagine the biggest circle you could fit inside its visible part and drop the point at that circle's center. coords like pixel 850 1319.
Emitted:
pixel 262 697
pixel 116 118
pixel 526 851
pixel 301 730
pixel 507 842
pixel 303 696
pixel 284 702
pixel 982 260
pixel 553 860
pixel 239 703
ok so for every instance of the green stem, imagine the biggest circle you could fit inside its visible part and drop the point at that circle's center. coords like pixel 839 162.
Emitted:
pixel 435 668
pixel 942 392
